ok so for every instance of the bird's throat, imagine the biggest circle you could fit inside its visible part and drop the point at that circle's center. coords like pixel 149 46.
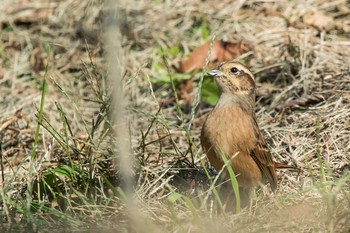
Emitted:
pixel 246 103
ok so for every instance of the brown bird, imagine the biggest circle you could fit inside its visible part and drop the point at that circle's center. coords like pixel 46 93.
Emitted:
pixel 231 128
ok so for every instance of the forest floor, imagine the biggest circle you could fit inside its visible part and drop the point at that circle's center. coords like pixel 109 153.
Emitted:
pixel 59 162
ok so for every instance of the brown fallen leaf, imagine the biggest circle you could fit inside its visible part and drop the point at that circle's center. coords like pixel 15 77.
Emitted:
pixel 302 101
pixel 221 51
pixel 319 20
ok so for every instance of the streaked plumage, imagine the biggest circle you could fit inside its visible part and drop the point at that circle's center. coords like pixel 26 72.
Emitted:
pixel 232 127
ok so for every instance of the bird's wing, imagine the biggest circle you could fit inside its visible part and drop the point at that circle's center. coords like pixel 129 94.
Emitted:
pixel 263 158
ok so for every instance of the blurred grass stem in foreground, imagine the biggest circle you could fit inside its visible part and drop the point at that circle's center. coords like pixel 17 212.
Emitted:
pixel 120 122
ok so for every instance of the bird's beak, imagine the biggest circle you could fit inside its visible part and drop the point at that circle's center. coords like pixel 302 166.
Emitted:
pixel 215 72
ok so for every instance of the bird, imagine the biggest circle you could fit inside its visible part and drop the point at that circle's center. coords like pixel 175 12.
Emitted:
pixel 231 129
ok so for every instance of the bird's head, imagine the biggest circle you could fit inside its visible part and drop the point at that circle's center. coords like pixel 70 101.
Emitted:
pixel 234 78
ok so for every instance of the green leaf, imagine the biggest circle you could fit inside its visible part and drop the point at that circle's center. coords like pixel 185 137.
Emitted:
pixel 233 179
pixel 65 171
pixel 174 197
pixel 171 51
pixel 205 32
pixel 210 91
pixel 158 67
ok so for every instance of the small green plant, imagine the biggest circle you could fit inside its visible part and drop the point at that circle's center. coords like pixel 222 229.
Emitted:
pixel 177 197
pixel 200 27
pixel 233 179
pixel 28 201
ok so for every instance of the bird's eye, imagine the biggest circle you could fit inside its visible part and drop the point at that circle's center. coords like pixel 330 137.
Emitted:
pixel 234 70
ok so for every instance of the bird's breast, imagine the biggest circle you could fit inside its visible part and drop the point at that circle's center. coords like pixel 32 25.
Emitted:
pixel 229 128
pixel 230 131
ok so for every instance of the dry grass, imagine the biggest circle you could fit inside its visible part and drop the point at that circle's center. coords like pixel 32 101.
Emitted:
pixel 303 109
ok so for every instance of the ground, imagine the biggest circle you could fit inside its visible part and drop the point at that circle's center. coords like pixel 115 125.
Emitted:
pixel 60 163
